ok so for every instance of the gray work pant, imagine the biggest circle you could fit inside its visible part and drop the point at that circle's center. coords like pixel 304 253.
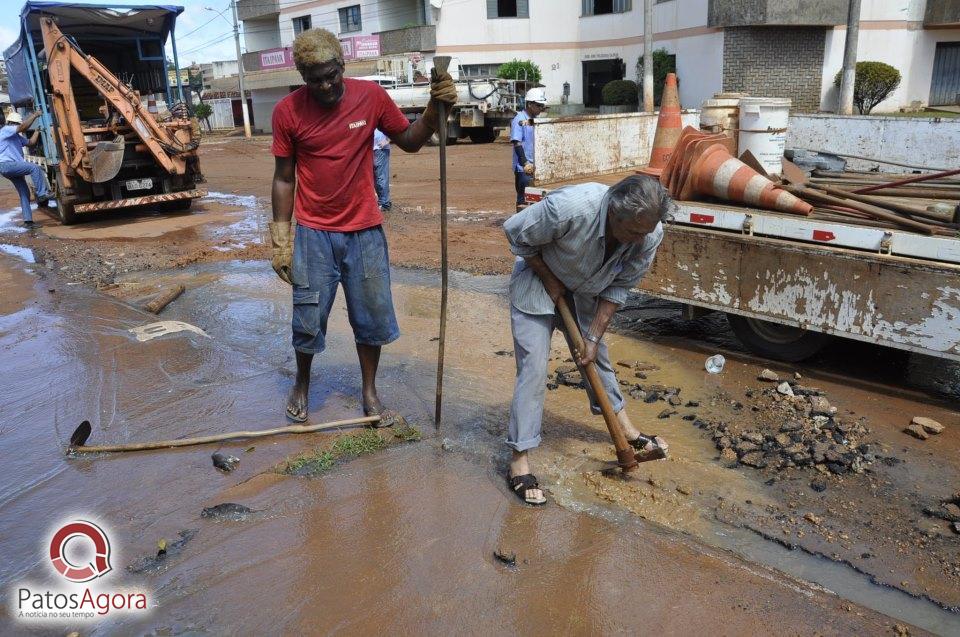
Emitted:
pixel 531 346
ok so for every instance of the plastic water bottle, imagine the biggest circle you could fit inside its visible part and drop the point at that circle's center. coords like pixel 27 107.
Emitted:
pixel 715 364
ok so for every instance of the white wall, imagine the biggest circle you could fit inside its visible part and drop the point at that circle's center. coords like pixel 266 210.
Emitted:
pixel 571 147
pixel 263 100
pixel 374 16
pixel 920 141
pixel 260 35
pixel 891 31
pixel 558 39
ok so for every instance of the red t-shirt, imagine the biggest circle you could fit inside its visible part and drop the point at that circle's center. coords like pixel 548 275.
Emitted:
pixel 333 148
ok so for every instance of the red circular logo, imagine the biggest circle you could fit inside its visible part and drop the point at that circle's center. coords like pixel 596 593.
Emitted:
pixel 80 530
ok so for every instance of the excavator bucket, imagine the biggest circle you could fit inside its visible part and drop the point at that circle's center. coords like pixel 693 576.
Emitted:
pixel 105 160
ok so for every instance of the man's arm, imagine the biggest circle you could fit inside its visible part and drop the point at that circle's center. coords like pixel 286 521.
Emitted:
pixel 281 198
pixel 34 138
pixel 27 123
pixel 442 90
pixel 281 193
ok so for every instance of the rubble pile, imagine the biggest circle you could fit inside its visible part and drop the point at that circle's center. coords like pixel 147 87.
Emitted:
pixel 789 425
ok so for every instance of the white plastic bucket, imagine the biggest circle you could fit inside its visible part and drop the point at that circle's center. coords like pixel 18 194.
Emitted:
pixel 763 130
pixel 720 115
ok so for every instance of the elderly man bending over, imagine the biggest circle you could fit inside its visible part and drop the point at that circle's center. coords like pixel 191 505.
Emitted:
pixel 590 244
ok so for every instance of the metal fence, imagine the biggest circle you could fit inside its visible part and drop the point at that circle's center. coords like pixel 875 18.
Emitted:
pixel 222 115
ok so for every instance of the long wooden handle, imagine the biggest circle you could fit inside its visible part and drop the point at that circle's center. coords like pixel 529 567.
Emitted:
pixel 186 442
pixel 441 63
pixel 625 454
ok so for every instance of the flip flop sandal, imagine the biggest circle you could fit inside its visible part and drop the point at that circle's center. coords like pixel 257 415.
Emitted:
pixel 388 420
pixel 659 451
pixel 520 485
pixel 293 418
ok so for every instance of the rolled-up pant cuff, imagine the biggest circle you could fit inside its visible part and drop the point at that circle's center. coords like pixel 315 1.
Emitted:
pixel 617 407
pixel 523 445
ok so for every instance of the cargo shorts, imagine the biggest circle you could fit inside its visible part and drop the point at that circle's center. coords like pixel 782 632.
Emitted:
pixel 359 261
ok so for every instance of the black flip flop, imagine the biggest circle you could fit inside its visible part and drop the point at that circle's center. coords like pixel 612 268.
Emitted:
pixel 521 484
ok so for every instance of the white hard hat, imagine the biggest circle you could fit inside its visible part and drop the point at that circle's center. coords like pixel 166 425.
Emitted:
pixel 537 95
pixel 13 117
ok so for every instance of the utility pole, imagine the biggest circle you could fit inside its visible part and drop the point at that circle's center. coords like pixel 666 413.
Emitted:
pixel 648 56
pixel 243 94
pixel 849 77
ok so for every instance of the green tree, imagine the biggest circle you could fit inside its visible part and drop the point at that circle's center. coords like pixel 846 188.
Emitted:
pixel 875 81
pixel 663 62
pixel 620 93
pixel 202 110
pixel 519 70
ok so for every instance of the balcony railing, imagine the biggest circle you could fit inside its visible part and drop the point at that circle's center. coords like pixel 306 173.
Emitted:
pixel 251 9
pixel 408 40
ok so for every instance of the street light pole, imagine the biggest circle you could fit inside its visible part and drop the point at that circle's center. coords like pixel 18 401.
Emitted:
pixel 243 94
pixel 849 77
pixel 648 56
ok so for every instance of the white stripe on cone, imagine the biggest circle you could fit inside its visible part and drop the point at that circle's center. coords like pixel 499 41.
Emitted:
pixel 721 179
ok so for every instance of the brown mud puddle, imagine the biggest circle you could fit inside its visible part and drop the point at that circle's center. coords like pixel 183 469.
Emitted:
pixel 405 537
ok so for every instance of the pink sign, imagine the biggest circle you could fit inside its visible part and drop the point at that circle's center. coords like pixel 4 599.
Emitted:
pixel 276 58
pixel 360 47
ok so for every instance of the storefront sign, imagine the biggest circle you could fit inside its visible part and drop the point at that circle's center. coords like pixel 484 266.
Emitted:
pixel 360 47
pixel 276 58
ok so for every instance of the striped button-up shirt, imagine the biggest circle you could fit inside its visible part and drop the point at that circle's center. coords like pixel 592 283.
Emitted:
pixel 567 228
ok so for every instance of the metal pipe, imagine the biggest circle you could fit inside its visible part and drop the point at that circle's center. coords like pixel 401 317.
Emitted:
pixel 908 180
pixel 849 77
pixel 876 212
pixel 874 159
pixel 176 62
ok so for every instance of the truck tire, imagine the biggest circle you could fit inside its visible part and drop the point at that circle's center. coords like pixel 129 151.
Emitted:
pixel 779 342
pixel 64 203
pixel 484 135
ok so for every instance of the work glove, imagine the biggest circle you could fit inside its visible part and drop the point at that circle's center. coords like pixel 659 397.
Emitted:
pixel 443 90
pixel 282 260
pixel 529 168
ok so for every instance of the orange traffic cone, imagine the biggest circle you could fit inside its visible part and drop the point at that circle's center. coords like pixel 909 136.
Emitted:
pixel 668 128
pixel 720 174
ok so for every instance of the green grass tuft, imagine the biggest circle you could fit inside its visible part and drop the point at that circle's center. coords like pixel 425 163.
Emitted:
pixel 316 461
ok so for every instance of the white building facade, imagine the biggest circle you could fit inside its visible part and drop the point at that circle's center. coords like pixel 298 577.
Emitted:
pixel 775 48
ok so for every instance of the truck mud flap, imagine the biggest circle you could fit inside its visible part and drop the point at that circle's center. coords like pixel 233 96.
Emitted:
pixel 145 200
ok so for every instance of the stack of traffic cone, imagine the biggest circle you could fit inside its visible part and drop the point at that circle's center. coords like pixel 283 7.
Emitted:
pixel 703 164
pixel 668 128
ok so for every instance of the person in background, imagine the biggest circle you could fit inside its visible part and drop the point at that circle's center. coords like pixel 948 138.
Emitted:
pixel 521 136
pixel 381 168
pixel 13 166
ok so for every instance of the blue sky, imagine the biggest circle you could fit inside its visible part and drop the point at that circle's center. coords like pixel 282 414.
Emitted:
pixel 211 37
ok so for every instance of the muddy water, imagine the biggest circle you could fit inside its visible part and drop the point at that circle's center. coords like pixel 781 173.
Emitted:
pixel 404 538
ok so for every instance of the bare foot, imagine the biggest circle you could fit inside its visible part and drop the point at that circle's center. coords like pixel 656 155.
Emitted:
pixel 388 417
pixel 297 403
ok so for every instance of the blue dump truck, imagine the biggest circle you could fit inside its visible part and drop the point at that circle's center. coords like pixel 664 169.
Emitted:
pixel 97 74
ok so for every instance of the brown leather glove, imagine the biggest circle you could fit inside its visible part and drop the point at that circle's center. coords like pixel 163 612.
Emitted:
pixel 529 168
pixel 442 89
pixel 282 261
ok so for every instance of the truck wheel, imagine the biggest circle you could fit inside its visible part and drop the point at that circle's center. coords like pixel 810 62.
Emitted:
pixel 484 135
pixel 779 342
pixel 64 203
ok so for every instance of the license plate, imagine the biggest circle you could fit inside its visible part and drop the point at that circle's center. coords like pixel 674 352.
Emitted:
pixel 140 184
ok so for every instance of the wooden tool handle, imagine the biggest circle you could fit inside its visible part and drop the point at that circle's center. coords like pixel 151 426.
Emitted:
pixel 441 63
pixel 625 454
pixel 186 442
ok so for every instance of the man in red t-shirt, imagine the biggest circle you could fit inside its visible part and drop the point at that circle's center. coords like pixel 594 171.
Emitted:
pixel 323 175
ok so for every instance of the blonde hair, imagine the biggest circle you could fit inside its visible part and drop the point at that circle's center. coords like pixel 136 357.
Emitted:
pixel 316 46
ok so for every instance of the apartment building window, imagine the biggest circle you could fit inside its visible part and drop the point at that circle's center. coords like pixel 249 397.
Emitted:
pixel 350 19
pixel 301 24
pixel 508 8
pixel 479 70
pixel 603 7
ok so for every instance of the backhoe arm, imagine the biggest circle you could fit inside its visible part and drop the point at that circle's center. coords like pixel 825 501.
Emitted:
pixel 62 55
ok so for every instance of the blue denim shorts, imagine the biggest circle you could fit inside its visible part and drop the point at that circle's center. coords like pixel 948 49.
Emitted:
pixel 359 261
